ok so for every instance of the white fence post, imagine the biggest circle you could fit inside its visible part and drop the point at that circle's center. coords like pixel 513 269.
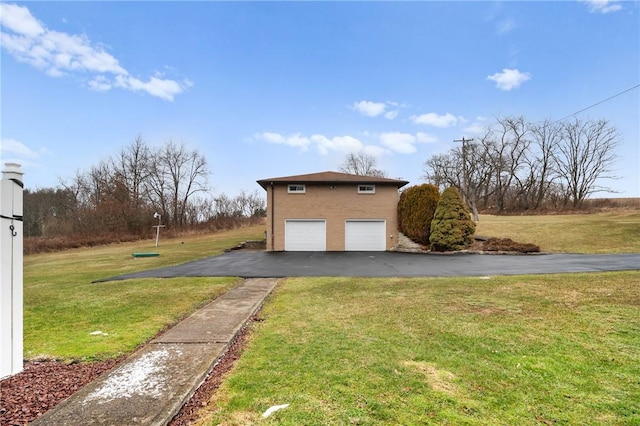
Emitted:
pixel 11 272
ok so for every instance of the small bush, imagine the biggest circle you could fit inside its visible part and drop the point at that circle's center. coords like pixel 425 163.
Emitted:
pixel 416 208
pixel 452 227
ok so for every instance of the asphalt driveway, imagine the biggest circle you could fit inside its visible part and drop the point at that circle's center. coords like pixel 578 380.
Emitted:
pixel 260 264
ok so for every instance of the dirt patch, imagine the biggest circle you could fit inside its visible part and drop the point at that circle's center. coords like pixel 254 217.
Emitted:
pixel 249 245
pixel 439 380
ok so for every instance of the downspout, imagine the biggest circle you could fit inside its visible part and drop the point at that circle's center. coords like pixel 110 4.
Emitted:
pixel 272 213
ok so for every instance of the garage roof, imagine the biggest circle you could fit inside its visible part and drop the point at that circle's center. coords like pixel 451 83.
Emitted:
pixel 332 177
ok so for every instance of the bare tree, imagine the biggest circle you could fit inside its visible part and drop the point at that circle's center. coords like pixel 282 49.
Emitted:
pixel 131 170
pixel 132 166
pixel 473 159
pixel 510 146
pixel 157 186
pixel 48 212
pixel 542 172
pixel 518 165
pixel 585 155
pixel 225 206
pixel 177 174
pixel 249 204
pixel 361 164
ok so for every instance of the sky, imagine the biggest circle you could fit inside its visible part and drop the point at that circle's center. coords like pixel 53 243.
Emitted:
pixel 268 89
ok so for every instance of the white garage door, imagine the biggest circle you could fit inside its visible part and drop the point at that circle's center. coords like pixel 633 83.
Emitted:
pixel 305 235
pixel 365 235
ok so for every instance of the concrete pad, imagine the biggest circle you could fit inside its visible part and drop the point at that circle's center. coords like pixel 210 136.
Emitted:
pixel 148 389
pixel 222 319
pixel 152 385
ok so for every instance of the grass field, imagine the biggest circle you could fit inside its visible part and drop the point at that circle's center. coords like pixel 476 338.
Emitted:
pixel 612 232
pixel 62 307
pixel 528 350
pixel 544 349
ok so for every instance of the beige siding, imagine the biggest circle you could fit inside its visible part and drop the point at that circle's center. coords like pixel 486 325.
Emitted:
pixel 336 204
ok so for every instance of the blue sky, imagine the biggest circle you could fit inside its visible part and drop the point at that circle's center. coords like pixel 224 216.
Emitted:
pixel 265 89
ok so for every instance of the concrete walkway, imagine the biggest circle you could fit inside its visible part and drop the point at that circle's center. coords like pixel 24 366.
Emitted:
pixel 152 385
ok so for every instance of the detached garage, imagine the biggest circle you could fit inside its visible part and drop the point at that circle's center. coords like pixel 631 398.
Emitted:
pixel 331 211
pixel 365 235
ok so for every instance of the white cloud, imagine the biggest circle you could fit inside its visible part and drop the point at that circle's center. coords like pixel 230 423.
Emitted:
pixel 343 144
pixel 390 115
pixel 602 6
pixel 298 140
pixel 164 89
pixel 58 53
pixel 478 127
pixel 435 120
pixel 375 109
pixel 403 143
pixel 368 108
pixel 18 151
pixel 506 26
pixel 270 137
pixel 475 129
pixel 375 150
pixel 100 84
pixel 324 145
pixel 295 140
pixel 509 78
pixel 425 138
pixel 19 20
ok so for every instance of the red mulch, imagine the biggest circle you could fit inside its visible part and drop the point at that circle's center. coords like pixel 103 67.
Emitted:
pixel 41 386
pixel 44 384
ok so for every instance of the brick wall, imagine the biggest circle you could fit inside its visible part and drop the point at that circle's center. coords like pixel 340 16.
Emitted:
pixel 335 203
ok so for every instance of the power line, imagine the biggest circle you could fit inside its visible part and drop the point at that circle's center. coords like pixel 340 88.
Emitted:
pixel 598 103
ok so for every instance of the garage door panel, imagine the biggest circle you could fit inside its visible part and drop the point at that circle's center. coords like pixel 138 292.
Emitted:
pixel 305 235
pixel 365 235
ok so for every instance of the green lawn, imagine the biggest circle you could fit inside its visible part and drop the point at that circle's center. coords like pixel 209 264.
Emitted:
pixel 62 307
pixel 613 232
pixel 528 350
pixel 544 349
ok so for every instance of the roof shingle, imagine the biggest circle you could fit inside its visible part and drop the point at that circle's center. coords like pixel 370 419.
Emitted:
pixel 332 177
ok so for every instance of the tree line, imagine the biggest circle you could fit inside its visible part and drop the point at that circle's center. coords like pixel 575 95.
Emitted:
pixel 516 165
pixel 120 195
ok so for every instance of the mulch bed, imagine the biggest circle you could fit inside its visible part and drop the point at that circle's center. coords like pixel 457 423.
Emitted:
pixel 44 384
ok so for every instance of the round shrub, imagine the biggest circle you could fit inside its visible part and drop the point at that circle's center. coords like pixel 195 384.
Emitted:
pixel 452 227
pixel 416 208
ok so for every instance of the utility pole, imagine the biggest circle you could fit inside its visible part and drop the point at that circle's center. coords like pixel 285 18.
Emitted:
pixel 464 164
pixel 468 198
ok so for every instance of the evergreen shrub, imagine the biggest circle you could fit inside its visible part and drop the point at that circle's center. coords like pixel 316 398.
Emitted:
pixel 452 227
pixel 416 208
